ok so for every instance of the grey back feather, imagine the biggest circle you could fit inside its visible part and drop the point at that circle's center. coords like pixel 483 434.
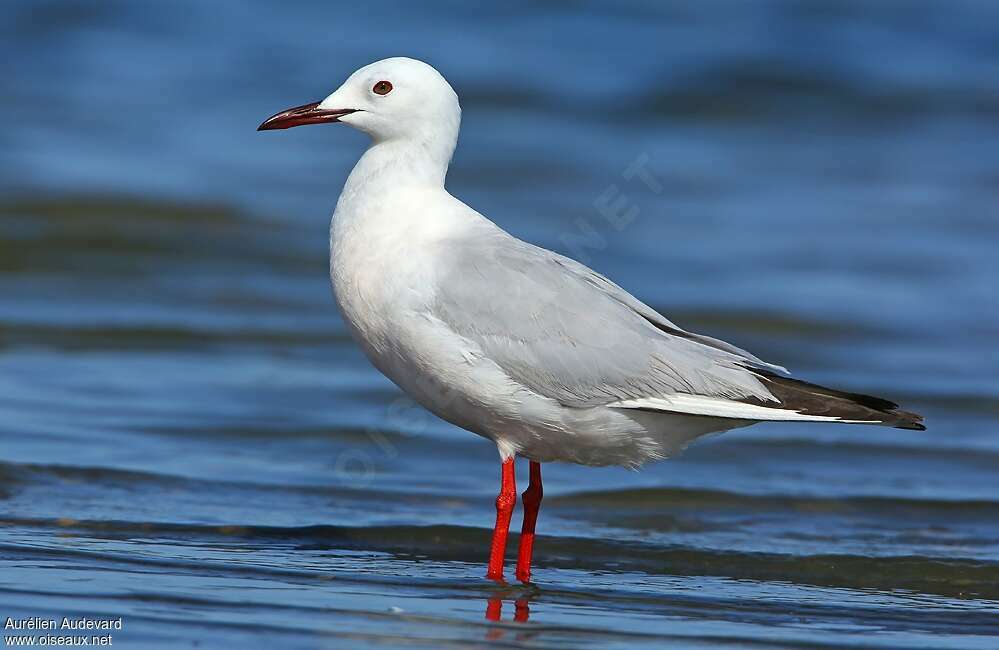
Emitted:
pixel 570 334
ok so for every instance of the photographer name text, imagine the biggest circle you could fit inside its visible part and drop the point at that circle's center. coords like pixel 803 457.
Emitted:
pixel 60 632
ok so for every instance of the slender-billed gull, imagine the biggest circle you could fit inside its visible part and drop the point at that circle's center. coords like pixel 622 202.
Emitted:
pixel 532 350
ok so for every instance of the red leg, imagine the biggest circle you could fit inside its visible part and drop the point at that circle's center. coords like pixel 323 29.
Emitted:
pixel 505 502
pixel 532 503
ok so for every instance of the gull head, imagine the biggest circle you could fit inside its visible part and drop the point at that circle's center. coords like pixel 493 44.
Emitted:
pixel 397 98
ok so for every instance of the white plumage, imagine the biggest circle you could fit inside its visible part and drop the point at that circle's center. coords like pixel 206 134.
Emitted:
pixel 513 342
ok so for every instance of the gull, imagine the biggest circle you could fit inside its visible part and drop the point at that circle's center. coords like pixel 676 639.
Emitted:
pixel 528 348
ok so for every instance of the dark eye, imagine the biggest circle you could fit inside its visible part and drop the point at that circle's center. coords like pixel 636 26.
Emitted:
pixel 382 88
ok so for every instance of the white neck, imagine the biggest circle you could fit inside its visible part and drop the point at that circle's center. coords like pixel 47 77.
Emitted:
pixel 420 158
pixel 387 174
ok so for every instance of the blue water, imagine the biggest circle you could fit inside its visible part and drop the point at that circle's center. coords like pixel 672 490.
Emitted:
pixel 189 439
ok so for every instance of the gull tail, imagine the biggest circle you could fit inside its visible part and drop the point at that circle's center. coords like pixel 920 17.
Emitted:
pixel 793 400
pixel 814 400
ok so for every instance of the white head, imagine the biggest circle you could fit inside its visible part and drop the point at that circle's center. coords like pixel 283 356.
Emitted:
pixel 391 100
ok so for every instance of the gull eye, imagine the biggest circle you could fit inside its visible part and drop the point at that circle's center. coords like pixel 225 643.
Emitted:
pixel 382 88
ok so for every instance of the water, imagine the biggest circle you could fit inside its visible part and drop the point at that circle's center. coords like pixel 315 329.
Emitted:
pixel 189 440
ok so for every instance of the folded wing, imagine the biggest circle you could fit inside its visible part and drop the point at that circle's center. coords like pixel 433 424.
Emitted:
pixel 570 334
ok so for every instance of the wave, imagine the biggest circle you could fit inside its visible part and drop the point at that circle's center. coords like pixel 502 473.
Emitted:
pixel 702 499
pixel 953 577
pixel 155 337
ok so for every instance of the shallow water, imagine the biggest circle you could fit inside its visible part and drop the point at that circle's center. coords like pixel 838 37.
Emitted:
pixel 189 440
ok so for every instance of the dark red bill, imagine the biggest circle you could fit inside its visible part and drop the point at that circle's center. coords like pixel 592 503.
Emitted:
pixel 307 114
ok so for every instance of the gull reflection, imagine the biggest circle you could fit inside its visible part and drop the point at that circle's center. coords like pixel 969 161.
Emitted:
pixel 521 613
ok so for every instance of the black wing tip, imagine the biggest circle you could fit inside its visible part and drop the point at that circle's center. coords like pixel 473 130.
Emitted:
pixel 910 421
pixel 812 398
pixel 870 401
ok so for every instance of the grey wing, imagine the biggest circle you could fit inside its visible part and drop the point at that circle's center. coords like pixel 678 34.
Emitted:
pixel 657 319
pixel 570 334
